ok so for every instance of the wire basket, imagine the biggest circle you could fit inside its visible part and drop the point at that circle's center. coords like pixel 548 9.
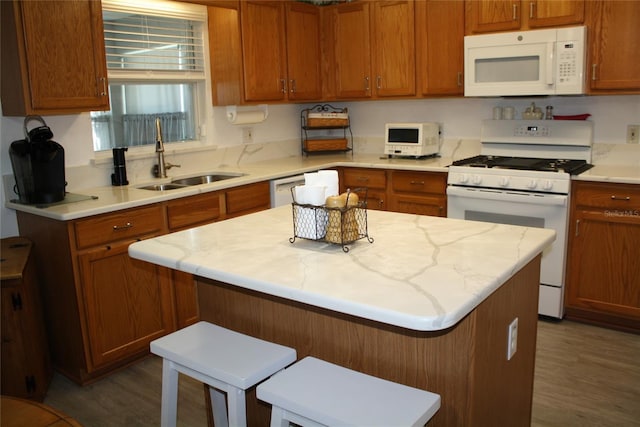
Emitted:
pixel 340 226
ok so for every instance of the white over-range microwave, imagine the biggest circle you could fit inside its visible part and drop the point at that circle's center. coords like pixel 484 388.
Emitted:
pixel 412 139
pixel 538 62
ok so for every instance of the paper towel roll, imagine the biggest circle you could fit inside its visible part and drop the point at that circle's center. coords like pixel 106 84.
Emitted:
pixel 310 194
pixel 245 117
pixel 329 178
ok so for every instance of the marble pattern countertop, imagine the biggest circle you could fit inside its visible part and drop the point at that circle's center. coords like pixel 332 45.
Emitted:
pixel 111 198
pixel 422 273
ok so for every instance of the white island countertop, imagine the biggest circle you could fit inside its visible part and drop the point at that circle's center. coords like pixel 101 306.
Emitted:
pixel 422 273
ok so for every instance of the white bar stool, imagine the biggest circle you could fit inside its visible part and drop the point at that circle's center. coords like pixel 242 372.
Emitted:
pixel 316 393
pixel 227 361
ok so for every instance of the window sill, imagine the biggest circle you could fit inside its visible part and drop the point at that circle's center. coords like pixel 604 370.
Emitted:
pixel 149 152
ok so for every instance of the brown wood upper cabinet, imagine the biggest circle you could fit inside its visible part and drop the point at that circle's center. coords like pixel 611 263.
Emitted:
pixel 440 28
pixel 487 16
pixel 374 49
pixel 280 51
pixel 264 51
pixel 393 48
pixel 53 58
pixel 613 57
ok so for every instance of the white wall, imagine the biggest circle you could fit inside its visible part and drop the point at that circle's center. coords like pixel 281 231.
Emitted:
pixel 461 118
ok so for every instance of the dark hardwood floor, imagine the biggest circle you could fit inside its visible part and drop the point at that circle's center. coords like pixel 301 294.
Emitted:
pixel 585 376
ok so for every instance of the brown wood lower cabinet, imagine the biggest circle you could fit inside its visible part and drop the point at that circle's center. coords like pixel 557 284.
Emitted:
pixel 375 180
pixel 103 308
pixel 184 213
pixel 247 199
pixel 422 193
pixel 603 280
pixel 415 192
pixel 127 303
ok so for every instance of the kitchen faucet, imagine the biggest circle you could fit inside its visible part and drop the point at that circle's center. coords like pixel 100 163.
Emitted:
pixel 160 169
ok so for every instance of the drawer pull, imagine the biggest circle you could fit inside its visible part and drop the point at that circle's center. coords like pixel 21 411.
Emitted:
pixel 417 182
pixel 122 227
pixel 624 199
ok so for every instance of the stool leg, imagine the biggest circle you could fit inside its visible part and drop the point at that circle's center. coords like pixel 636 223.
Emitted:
pixel 237 407
pixel 218 407
pixel 277 417
pixel 169 410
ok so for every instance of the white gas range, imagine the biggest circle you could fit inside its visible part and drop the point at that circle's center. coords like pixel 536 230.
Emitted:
pixel 523 177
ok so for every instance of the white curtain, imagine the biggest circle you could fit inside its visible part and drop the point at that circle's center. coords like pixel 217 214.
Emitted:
pixel 140 129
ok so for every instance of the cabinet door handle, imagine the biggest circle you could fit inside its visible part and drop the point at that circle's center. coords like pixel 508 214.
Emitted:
pixel 623 199
pixel 577 227
pixel 366 84
pixel 531 6
pixel 515 11
pixel 16 301
pixel 283 83
pixel 460 78
pixel 417 182
pixel 122 227
pixel 378 82
pixel 292 86
pixel 103 80
pixel 593 72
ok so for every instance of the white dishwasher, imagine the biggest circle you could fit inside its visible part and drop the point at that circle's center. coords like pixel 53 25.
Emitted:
pixel 281 190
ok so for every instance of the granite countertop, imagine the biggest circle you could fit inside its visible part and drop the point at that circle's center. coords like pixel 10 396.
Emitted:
pixel 422 273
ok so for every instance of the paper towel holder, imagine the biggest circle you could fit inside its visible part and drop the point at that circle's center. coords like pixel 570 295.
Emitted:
pixel 233 111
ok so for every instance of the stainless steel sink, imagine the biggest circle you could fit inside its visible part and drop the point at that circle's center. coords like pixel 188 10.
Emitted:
pixel 205 179
pixel 163 187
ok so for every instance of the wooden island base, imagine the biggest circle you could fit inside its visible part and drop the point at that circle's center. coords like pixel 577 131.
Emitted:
pixel 466 364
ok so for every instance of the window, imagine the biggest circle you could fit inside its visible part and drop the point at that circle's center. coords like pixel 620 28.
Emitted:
pixel 156 67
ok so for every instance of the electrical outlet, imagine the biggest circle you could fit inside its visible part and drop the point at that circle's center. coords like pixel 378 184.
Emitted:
pixel 247 135
pixel 633 134
pixel 512 339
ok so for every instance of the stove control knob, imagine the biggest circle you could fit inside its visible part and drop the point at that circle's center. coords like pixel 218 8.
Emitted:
pixel 503 181
pixel 463 178
pixel 547 185
pixel 477 179
pixel 532 183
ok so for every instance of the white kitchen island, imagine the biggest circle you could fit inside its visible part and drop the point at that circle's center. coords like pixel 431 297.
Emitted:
pixel 427 304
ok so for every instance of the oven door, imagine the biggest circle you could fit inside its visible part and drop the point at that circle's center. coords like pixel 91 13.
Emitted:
pixel 525 209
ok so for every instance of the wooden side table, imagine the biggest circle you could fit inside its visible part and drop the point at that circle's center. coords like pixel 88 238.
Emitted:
pixel 19 412
pixel 26 365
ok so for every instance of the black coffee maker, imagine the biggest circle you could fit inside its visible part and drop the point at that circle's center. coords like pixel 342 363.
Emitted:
pixel 119 175
pixel 38 165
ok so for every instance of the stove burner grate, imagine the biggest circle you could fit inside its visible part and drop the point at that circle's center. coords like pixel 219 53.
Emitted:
pixel 572 167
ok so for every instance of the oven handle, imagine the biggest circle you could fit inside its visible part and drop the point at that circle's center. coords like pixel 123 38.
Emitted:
pixel 507 196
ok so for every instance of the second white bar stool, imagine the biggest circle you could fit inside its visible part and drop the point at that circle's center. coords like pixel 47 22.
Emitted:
pixel 227 361
pixel 314 393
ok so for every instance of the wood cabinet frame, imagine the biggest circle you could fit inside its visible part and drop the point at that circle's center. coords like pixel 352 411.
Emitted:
pixel 53 58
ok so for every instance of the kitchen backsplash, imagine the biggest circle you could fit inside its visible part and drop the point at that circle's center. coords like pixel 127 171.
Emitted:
pixel 279 135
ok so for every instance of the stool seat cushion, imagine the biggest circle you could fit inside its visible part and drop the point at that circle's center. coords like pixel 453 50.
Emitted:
pixel 333 395
pixel 220 353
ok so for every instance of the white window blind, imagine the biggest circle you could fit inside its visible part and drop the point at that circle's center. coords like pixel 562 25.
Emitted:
pixel 154 36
